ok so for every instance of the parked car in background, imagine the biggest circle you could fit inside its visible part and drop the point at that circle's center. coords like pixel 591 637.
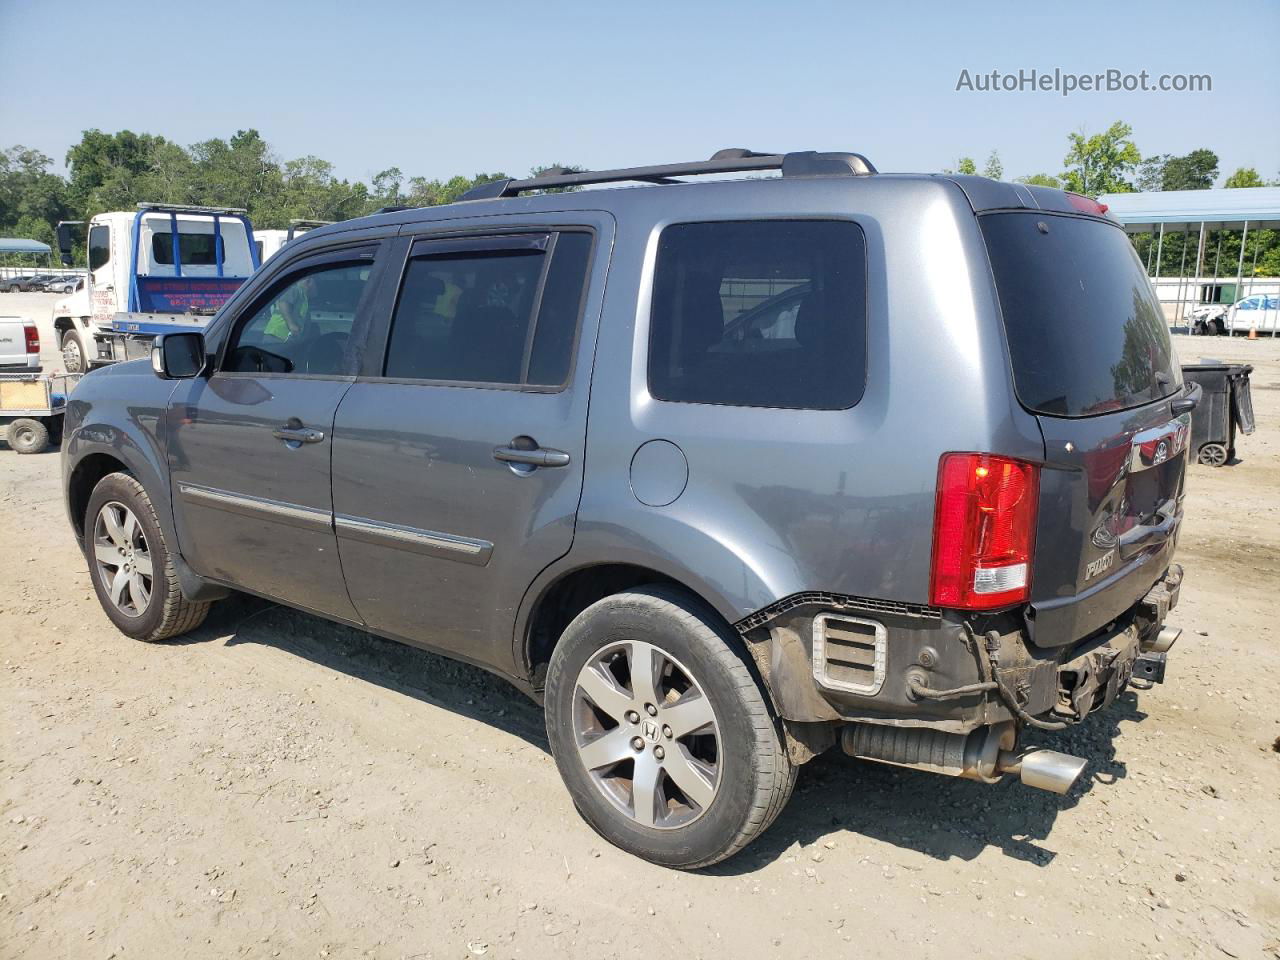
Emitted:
pixel 54 284
pixel 37 282
pixel 20 283
pixel 841 482
pixel 1260 312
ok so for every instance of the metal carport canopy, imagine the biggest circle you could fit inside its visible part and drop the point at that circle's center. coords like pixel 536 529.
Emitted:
pixel 16 245
pixel 1226 209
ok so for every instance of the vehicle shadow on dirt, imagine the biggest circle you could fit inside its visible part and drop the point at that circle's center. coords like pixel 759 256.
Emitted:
pixel 938 816
pixel 440 681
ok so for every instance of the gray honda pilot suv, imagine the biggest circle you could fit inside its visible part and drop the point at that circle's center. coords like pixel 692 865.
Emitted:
pixel 725 472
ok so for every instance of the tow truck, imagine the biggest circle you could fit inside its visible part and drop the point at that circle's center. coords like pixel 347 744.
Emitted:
pixel 163 268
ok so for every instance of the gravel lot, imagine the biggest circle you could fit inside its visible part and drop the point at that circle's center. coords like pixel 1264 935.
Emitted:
pixel 277 786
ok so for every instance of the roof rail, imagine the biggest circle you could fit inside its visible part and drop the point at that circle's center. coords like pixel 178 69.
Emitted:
pixel 192 208
pixel 808 163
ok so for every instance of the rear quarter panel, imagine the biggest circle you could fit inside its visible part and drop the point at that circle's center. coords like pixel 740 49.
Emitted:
pixel 784 501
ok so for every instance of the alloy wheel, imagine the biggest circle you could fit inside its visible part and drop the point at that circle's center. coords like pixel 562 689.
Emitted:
pixel 122 558
pixel 647 734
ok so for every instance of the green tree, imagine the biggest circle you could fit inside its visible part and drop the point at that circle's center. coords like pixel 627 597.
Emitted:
pixel 1244 177
pixel 28 191
pixel 1196 171
pixel 384 188
pixel 239 172
pixel 1103 162
pixel 108 171
pixel 993 168
pixel 1150 175
pixel 1041 180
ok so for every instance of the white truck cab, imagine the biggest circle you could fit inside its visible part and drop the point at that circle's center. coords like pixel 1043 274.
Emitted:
pixel 268 242
pixel 154 270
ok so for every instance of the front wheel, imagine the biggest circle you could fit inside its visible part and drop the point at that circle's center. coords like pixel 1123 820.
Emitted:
pixel 74 357
pixel 133 573
pixel 661 732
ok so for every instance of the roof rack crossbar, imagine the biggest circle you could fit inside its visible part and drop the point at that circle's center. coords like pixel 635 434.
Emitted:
pixel 735 160
pixel 191 208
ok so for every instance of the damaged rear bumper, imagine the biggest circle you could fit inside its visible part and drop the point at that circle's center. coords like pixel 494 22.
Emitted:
pixel 835 666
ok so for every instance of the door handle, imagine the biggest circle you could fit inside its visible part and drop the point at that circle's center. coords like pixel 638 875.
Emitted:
pixel 535 457
pixel 291 434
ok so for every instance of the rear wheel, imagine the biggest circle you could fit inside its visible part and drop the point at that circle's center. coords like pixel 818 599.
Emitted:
pixel 132 571
pixel 74 357
pixel 660 731
pixel 28 436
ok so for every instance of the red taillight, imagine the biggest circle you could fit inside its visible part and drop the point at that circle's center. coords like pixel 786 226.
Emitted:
pixel 984 531
pixel 33 338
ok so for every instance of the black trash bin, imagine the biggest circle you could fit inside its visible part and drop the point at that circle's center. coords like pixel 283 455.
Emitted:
pixel 1224 407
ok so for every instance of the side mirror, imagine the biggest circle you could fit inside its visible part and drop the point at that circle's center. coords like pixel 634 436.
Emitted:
pixel 178 356
pixel 65 241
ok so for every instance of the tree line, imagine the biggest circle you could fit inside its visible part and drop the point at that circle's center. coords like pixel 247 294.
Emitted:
pixel 115 171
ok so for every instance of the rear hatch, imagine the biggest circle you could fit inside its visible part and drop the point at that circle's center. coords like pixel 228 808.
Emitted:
pixel 1092 360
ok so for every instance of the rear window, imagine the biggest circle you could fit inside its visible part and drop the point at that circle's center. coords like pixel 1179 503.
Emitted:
pixel 195 249
pixel 1086 333
pixel 767 313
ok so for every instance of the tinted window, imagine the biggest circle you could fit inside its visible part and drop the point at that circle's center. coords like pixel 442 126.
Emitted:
pixel 195 249
pixel 302 326
pixel 1086 333
pixel 561 305
pixel 466 317
pixel 762 313
pixel 99 247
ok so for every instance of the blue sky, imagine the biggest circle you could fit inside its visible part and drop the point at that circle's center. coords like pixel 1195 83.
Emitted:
pixel 444 88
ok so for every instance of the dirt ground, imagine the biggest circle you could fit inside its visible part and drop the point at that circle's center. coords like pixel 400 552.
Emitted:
pixel 276 786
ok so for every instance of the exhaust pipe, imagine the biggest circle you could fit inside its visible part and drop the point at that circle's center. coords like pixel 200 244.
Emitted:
pixel 1045 769
pixel 1163 640
pixel 986 754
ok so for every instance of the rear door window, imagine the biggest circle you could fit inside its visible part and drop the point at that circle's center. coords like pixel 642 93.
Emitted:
pixel 500 311
pixel 1086 334
pixel 767 313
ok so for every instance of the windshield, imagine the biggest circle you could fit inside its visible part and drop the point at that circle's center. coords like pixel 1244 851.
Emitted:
pixel 1086 333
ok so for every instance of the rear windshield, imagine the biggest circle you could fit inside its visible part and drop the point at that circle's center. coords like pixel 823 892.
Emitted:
pixel 195 249
pixel 1086 333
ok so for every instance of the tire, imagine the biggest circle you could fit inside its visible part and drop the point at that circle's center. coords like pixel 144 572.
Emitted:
pixel 1216 327
pixel 28 436
pixel 74 358
pixel 166 612
pixel 735 796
